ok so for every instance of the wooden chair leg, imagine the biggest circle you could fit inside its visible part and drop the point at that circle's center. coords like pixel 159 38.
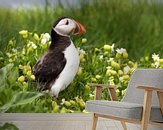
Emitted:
pixel 124 125
pixel 94 122
pixel 146 110
pixel 160 98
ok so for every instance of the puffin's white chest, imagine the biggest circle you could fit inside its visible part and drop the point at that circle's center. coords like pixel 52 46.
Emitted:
pixel 72 59
pixel 69 71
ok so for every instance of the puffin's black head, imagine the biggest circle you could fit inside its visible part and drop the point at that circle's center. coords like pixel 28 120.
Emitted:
pixel 65 26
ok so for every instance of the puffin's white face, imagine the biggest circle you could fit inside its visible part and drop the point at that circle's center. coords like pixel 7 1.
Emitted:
pixel 68 26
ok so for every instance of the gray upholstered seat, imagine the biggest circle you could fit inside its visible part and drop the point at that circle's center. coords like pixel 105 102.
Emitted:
pixel 131 111
pixel 131 106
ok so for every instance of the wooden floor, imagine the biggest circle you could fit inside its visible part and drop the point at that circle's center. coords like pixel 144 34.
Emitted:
pixel 43 121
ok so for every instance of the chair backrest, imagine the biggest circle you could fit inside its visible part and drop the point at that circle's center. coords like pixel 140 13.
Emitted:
pixel 147 77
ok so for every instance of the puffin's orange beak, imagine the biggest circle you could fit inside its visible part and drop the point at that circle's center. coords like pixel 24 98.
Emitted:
pixel 79 28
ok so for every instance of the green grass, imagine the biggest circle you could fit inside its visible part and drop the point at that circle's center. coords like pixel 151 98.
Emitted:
pixel 136 26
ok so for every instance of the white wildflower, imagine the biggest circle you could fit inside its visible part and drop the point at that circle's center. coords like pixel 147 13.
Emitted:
pixel 117 91
pixel 157 64
pixel 101 57
pixel 126 69
pixel 109 67
pixel 63 100
pixel 14 50
pixel 112 47
pixel 120 51
pixel 34 45
pixel 43 41
pixel 123 92
pixel 110 59
pixel 91 95
pixel 155 57
pixel 121 79
pixel 81 51
pixel 9 54
pixel 46 36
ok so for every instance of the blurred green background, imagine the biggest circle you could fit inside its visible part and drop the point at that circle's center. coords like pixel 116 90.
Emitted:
pixel 136 25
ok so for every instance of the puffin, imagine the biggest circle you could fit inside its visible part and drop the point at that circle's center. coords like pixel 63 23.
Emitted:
pixel 57 67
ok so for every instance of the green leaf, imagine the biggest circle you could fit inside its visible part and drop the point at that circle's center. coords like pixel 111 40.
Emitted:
pixel 3 74
pixel 13 75
pixel 25 97
pixel 6 69
pixel 21 98
pixel 8 126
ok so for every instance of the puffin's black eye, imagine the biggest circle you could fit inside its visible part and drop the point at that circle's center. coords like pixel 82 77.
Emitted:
pixel 67 22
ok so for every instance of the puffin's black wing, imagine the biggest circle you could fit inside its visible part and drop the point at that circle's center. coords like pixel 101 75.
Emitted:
pixel 48 68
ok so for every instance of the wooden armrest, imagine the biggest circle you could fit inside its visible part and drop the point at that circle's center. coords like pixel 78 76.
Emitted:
pixel 111 89
pixel 150 88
